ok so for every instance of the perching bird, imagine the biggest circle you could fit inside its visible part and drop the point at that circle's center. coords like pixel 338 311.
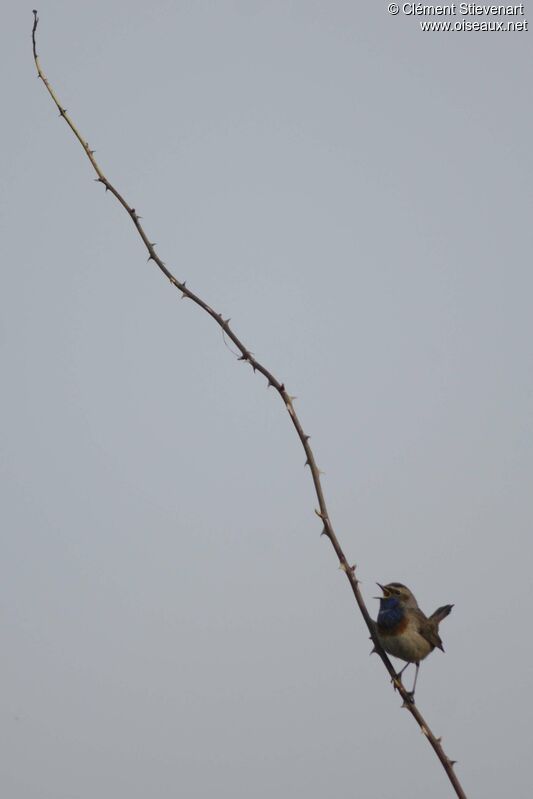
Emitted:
pixel 403 630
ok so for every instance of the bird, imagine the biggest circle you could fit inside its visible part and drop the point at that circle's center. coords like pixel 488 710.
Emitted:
pixel 403 630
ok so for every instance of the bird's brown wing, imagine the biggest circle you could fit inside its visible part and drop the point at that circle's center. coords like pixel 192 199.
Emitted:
pixel 428 629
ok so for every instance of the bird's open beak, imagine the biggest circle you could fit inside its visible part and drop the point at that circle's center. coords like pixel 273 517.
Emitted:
pixel 383 589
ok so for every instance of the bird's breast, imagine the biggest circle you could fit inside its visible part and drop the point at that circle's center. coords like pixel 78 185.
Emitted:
pixel 404 641
pixel 388 626
pixel 392 617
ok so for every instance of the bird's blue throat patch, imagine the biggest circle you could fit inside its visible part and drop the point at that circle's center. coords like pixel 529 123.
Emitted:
pixel 391 613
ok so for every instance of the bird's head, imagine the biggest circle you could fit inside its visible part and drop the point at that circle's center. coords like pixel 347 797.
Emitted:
pixel 395 594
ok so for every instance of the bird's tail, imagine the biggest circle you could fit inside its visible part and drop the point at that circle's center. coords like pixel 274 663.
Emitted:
pixel 441 613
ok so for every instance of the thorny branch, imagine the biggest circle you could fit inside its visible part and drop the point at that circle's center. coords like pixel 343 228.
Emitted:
pixel 247 356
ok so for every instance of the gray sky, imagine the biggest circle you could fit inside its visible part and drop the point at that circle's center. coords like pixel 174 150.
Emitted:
pixel 356 195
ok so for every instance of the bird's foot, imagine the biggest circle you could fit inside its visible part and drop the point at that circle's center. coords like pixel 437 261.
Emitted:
pixel 397 681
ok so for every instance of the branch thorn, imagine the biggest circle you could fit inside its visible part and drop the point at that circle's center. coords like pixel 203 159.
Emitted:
pixel 346 569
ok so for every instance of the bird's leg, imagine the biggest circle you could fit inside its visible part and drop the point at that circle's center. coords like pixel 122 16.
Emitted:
pixel 399 674
pixel 404 668
pixel 412 692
